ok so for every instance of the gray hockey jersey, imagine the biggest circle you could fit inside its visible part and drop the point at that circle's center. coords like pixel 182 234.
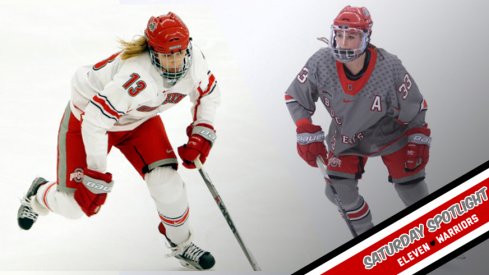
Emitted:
pixel 369 115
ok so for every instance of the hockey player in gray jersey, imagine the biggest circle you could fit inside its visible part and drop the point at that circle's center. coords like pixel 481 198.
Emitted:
pixel 376 110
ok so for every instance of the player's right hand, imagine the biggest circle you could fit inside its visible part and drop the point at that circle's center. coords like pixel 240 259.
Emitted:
pixel 92 192
pixel 310 143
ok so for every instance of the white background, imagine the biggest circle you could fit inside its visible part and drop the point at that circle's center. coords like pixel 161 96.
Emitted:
pixel 255 49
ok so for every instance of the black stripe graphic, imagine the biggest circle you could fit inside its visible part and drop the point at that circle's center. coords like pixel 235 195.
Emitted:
pixel 436 194
pixel 101 110
pixel 112 106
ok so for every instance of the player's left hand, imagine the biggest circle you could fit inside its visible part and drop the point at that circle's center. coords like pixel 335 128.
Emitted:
pixel 201 138
pixel 418 148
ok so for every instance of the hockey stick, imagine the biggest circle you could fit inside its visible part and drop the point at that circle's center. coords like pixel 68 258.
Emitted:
pixel 225 213
pixel 323 169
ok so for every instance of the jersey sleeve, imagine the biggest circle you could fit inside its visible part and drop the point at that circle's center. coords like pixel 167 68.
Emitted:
pixel 302 94
pixel 206 97
pixel 409 98
pixel 102 112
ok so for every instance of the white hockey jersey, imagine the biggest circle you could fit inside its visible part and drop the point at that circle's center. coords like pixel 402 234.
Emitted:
pixel 119 95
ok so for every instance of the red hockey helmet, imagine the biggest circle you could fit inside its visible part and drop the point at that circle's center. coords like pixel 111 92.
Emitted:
pixel 351 20
pixel 354 17
pixel 169 44
pixel 167 34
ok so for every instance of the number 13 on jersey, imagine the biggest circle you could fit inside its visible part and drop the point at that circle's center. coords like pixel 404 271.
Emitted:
pixel 133 85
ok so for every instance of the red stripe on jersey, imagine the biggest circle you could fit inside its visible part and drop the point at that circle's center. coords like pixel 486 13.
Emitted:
pixel 102 103
pixel 212 80
pixel 175 221
pixel 424 105
pixel 360 213
pixel 196 108
pixel 288 97
pixel 209 86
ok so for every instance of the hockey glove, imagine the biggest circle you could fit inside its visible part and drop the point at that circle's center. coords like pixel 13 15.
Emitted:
pixel 418 148
pixel 310 143
pixel 201 138
pixel 91 194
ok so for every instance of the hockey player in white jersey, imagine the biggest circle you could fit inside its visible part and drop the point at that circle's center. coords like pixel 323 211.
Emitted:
pixel 115 103
pixel 376 110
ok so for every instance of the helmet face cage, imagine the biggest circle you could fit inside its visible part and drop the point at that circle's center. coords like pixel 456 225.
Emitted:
pixel 345 55
pixel 172 74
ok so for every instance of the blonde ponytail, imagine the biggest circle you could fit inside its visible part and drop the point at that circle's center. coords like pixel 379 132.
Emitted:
pixel 134 47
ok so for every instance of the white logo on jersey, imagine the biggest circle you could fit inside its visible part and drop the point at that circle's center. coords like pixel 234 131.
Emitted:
pixel 77 175
pixel 332 113
pixel 376 106
pixel 334 162
pixel 405 86
pixel 326 102
pixel 352 140
pixel 302 76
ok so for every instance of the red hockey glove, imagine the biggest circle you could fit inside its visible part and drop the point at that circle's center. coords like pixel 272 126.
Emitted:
pixel 418 148
pixel 310 143
pixel 91 194
pixel 201 138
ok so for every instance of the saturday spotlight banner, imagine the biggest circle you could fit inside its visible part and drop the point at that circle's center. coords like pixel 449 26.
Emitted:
pixel 421 237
